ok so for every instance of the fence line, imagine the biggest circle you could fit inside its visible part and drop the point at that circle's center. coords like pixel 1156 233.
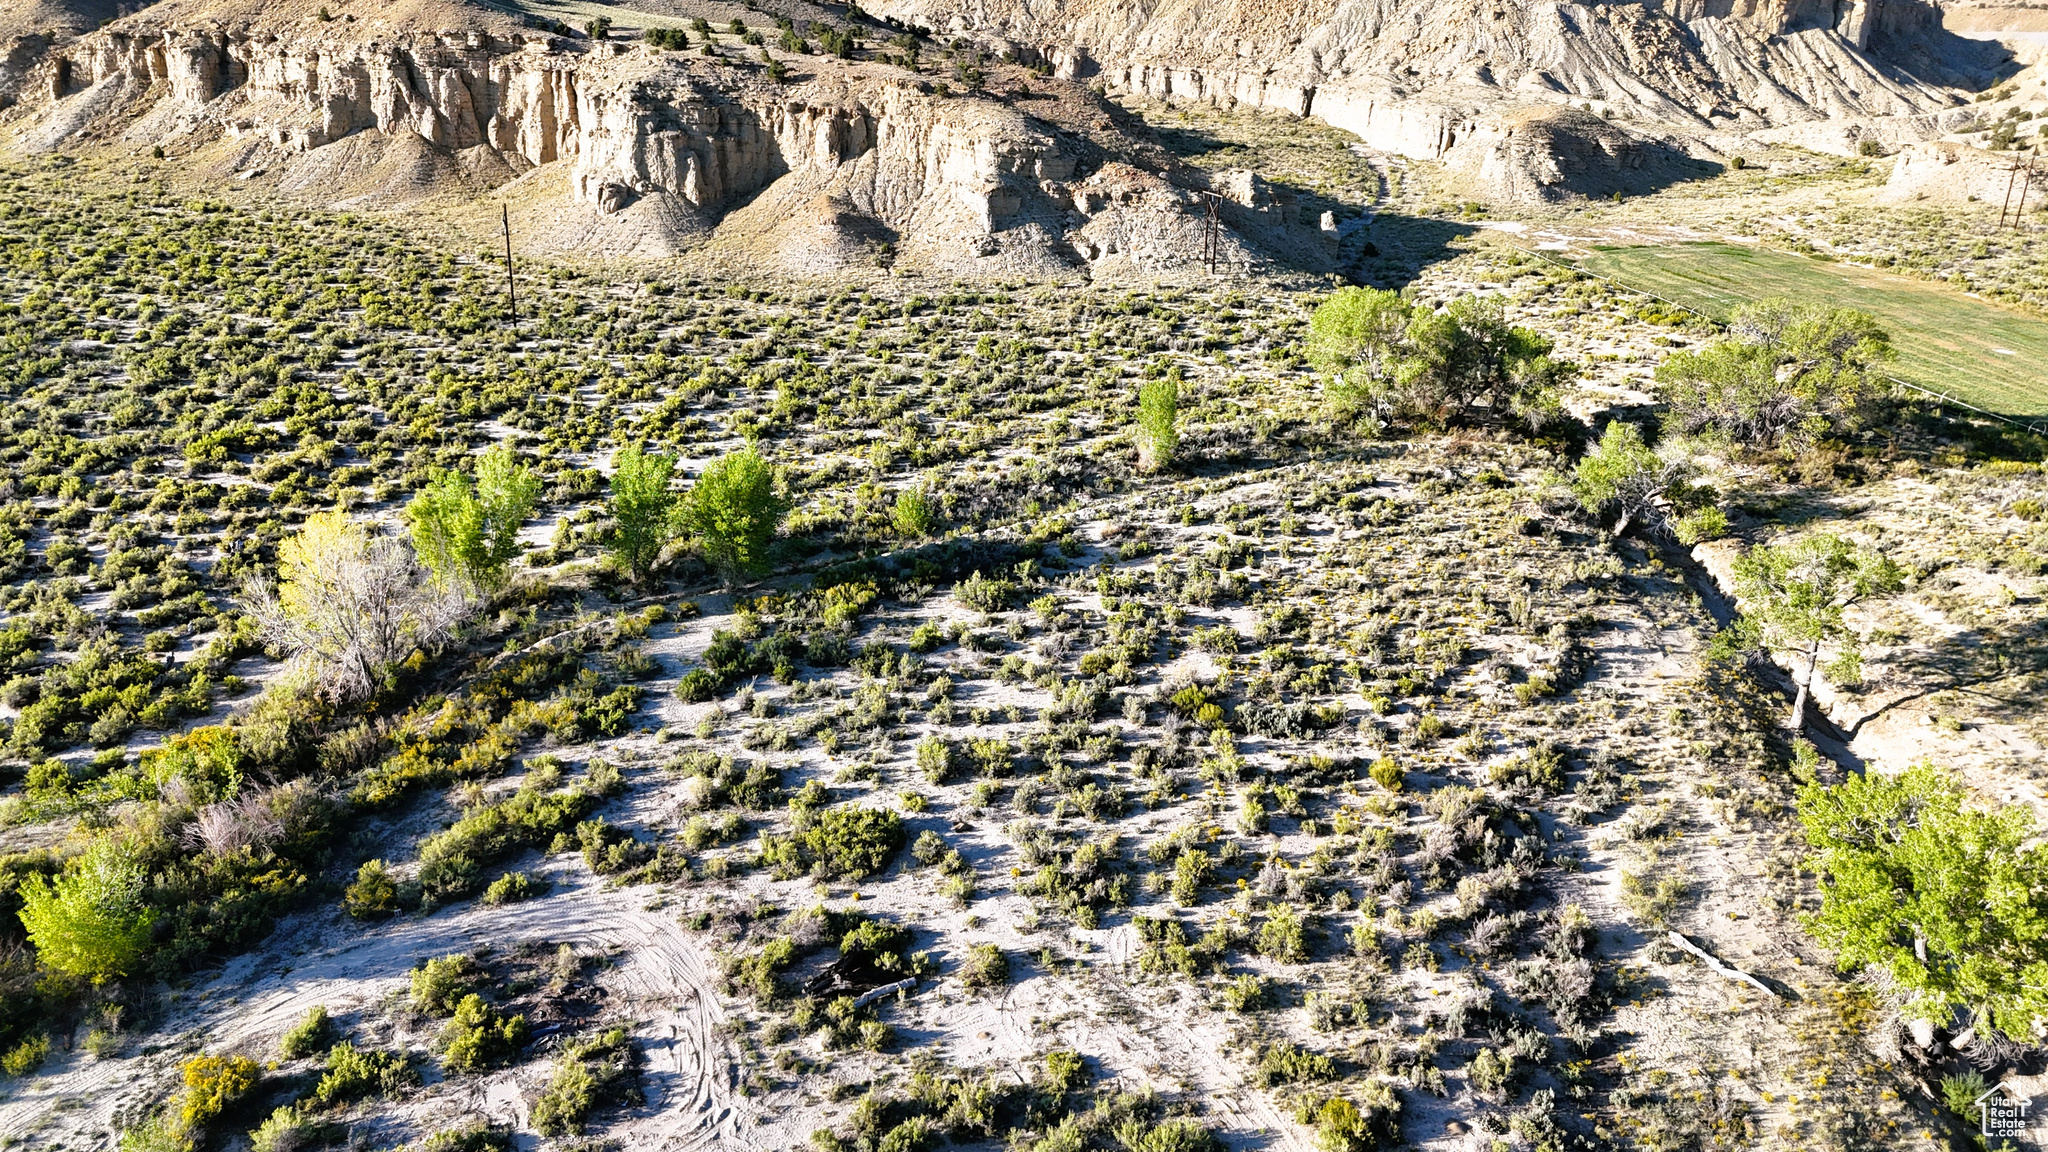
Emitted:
pixel 2034 426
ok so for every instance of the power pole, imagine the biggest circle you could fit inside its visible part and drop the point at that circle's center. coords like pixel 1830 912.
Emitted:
pixel 511 294
pixel 2013 177
pixel 2019 210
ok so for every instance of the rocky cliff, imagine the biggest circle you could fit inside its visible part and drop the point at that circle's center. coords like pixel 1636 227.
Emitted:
pixel 1433 79
pixel 652 151
pixel 1411 75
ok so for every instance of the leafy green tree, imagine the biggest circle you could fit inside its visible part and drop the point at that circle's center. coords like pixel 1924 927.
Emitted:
pixel 1158 421
pixel 1359 336
pixel 1390 359
pixel 1475 359
pixel 468 532
pixel 1789 374
pixel 90 921
pixel 1794 597
pixel 1641 486
pixel 1795 601
pixel 734 511
pixel 646 513
pixel 1951 902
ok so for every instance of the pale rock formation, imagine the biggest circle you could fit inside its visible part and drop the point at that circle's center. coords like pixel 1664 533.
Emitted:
pixel 653 151
pixel 1948 174
pixel 1441 80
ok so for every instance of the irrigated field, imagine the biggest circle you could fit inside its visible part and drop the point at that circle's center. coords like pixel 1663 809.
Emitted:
pixel 1993 357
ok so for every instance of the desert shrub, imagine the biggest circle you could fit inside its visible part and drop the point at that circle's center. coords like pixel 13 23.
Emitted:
pixel 984 593
pixel 479 1036
pixel 1491 1072
pixel 916 513
pixel 1158 421
pixel 314 1033
pixel 474 1136
pixel 1062 1071
pixel 1247 993
pixel 440 983
pixel 590 1073
pixel 1178 1135
pixel 452 861
pixel 934 759
pixel 985 967
pixel 1192 869
pixel 373 893
pixel 292 1128
pixel 912 1135
pixel 1292 1064
pixel 513 887
pixel 354 1074
pixel 26 1056
pixel 1539 767
pixel 1960 1092
pixel 852 842
pixel 1386 774
pixel 211 1084
pixel 1341 1125
pixel 1282 937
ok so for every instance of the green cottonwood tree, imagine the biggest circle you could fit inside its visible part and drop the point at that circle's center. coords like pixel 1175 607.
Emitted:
pixel 468 532
pixel 1790 373
pixel 1951 902
pixel 90 921
pixel 734 511
pixel 1645 486
pixel 1390 359
pixel 645 513
pixel 1794 597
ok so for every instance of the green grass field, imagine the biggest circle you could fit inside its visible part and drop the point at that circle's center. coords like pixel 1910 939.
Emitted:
pixel 1980 353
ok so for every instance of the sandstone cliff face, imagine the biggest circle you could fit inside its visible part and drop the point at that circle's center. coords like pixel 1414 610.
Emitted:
pixel 668 148
pixel 1416 76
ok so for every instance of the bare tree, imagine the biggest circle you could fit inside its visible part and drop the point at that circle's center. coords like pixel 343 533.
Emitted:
pixel 350 604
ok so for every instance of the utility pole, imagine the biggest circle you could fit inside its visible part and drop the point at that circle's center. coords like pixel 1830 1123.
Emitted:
pixel 511 294
pixel 2026 182
pixel 2014 177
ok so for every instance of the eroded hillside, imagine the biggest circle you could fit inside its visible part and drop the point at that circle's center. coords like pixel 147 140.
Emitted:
pixel 1319 784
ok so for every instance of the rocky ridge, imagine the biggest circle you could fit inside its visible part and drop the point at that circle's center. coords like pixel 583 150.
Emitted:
pixel 1429 80
pixel 625 150
pixel 655 151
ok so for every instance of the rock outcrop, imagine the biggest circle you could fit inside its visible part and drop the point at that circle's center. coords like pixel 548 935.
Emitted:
pixel 654 151
pixel 1548 154
pixel 1948 174
pixel 1414 76
pixel 1451 81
